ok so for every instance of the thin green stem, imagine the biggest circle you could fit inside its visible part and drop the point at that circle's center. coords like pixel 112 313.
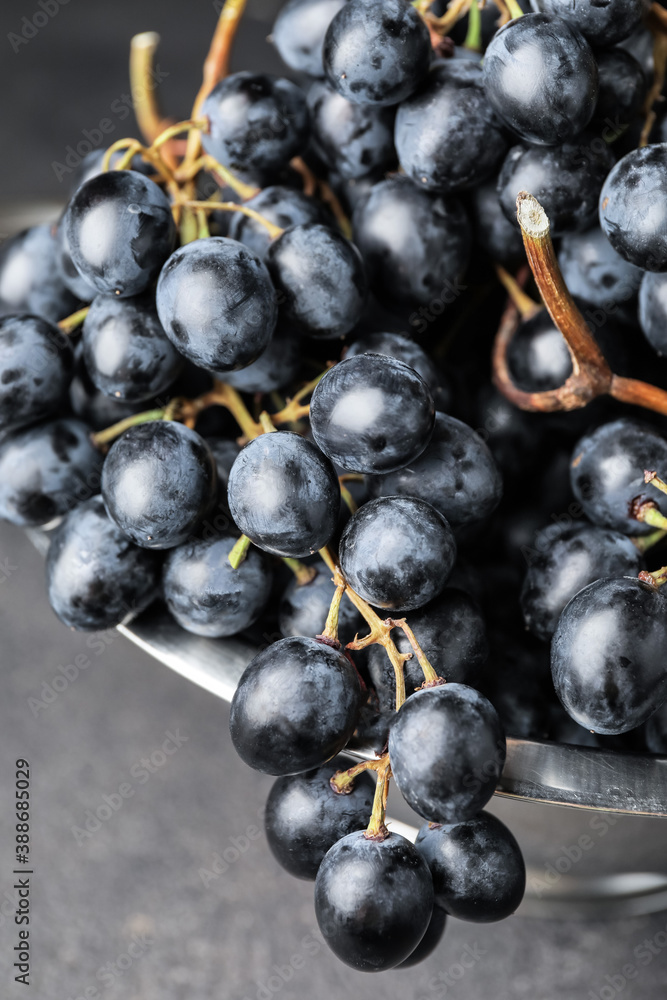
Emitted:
pixel 646 542
pixel 74 321
pixel 111 433
pixel 239 551
pixel 342 782
pixel 473 39
pixel 376 829
pixel 302 573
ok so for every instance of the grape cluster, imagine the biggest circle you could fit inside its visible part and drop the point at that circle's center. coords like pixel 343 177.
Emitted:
pixel 218 391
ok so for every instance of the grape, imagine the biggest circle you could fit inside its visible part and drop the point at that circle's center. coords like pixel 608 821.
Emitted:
pixel 299 30
pixel 447 750
pixel 70 277
pixel 477 868
pixel 45 470
pixel 452 634
pixel 431 939
pixel 158 480
pixel 568 558
pixel 601 24
pixel 120 231
pixel 353 139
pixel 376 51
pixel 282 206
pixel 565 179
pixel 456 473
pixel 622 91
pixel 541 78
pixel 305 817
pixel 277 366
pixel 224 454
pixel 394 345
pixel 257 122
pixel 448 137
pixel 216 303
pixel 95 576
pixel 30 280
pixel 295 706
pixel 607 473
pixel 415 244
pixel 320 278
pixel 126 352
pixel 92 165
pixel 537 357
pixel 608 655
pixel 206 596
pixel 36 367
pixel 283 493
pixel 91 405
pixel 494 232
pixel 632 213
pixel 653 311
pixel 372 413
pixel 304 608
pixel 397 553
pixel 373 900
pixel 594 272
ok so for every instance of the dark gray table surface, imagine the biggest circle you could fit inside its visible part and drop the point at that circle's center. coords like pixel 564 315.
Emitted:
pixel 135 910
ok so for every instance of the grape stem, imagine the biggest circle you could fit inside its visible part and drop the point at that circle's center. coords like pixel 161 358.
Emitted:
pixel 591 375
pixel 376 829
pixel 654 479
pixel 656 578
pixel 342 782
pixel 331 626
pixel 648 513
pixel 430 677
pixel 74 321
pixel 142 85
pixel 656 22
pixel 303 574
pixel 526 306
pixel 231 206
pixel 646 542
pixel 473 39
pixel 239 551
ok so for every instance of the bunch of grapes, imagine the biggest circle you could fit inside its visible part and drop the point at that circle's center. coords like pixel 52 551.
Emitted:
pixel 219 391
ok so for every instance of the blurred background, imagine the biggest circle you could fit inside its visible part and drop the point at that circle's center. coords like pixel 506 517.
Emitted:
pixel 174 895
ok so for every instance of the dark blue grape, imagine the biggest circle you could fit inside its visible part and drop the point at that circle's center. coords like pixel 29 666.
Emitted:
pixel 283 207
pixel 567 559
pixel 430 941
pixel 257 122
pixel 607 473
pixel 447 750
pixel 415 244
pixel 456 473
pixel 541 78
pixel 566 180
pixel 653 311
pixel 305 817
pixel 608 655
pixel 452 633
pixel 95 576
pixel 477 868
pixel 126 352
pixel 632 213
pixel 537 357
pixel 353 139
pixel 304 608
pixel 283 493
pixel 91 405
pixel 621 94
pixel 376 51
pixel 397 552
pixel 216 303
pixel 594 272
pixel 277 366
pixel 36 367
pixel 92 166
pixel 372 413
pixel 448 137
pixel 206 595
pixel 395 345
pixel 319 276
pixel 299 30
pixel 602 24
pixel 120 231
pixel 494 233
pixel 30 280
pixel 373 900
pixel 295 706
pixel 46 470
pixel 158 480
